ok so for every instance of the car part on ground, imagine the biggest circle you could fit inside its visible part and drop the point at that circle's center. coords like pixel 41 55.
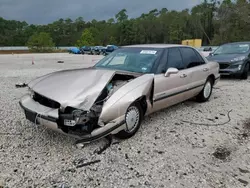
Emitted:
pixel 120 89
pixel 233 58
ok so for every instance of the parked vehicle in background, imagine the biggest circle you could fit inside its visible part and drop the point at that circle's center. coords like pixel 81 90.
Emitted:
pixel 233 58
pixel 85 50
pixel 206 50
pixel 110 48
pixel 99 50
pixel 74 50
pixel 122 88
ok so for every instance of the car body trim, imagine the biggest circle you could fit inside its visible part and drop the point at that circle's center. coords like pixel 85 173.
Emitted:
pixel 177 93
pixel 39 115
pixel 96 137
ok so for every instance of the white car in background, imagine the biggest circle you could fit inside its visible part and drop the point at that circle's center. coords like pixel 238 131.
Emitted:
pixel 206 50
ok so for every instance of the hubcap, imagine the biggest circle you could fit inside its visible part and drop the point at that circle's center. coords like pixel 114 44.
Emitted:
pixel 132 119
pixel 207 89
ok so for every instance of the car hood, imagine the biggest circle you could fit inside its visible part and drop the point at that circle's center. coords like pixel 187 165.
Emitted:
pixel 224 57
pixel 77 88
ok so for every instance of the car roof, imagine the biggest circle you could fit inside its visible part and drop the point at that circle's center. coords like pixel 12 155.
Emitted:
pixel 154 46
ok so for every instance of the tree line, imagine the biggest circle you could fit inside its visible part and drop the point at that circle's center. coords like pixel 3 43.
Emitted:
pixel 214 21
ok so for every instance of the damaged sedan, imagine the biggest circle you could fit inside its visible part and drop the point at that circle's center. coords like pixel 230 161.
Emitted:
pixel 113 96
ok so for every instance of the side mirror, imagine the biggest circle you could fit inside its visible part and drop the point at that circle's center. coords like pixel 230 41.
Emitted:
pixel 211 54
pixel 171 71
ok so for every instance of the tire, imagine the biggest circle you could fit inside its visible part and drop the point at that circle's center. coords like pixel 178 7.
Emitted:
pixel 244 75
pixel 133 111
pixel 206 92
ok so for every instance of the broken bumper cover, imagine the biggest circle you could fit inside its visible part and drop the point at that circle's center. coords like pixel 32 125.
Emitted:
pixel 48 117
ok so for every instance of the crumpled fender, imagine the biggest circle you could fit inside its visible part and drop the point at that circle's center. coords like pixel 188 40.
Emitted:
pixel 118 103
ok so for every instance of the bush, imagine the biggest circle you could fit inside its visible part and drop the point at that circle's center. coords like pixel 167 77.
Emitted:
pixel 41 42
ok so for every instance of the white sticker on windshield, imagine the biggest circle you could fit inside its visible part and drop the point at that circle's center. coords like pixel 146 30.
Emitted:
pixel 148 52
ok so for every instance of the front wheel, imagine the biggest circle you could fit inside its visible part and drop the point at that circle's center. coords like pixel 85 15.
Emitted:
pixel 206 92
pixel 133 118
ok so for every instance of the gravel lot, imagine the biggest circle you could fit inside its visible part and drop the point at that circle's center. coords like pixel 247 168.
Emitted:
pixel 166 152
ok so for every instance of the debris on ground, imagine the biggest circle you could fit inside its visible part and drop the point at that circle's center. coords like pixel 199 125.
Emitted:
pixel 244 171
pixel 21 85
pixel 79 165
pixel 243 181
pixel 221 153
pixel 109 139
pixel 212 124
pixel 247 124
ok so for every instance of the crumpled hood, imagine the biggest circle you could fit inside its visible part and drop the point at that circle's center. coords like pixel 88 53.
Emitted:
pixel 224 57
pixel 76 88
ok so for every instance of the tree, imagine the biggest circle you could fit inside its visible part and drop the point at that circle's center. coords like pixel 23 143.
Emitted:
pixel 40 42
pixel 213 21
pixel 86 39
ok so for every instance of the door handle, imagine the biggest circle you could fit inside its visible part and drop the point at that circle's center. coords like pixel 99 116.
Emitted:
pixel 206 69
pixel 183 76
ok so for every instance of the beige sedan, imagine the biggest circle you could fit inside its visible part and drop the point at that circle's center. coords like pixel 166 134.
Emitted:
pixel 113 96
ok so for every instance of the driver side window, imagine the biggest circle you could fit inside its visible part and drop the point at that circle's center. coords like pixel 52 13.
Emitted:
pixel 174 59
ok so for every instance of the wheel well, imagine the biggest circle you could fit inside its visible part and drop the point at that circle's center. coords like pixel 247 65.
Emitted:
pixel 212 77
pixel 249 65
pixel 143 102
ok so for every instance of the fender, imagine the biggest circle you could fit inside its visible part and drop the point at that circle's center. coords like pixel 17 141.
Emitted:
pixel 119 102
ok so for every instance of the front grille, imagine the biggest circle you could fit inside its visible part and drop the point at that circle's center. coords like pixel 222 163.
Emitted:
pixel 223 65
pixel 45 101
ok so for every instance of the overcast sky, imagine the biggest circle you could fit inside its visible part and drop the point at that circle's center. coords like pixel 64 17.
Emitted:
pixel 45 11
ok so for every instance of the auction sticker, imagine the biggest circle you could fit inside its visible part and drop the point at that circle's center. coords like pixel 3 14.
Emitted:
pixel 148 52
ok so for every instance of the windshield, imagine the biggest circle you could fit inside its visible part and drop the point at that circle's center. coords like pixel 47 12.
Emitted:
pixel 232 49
pixel 131 59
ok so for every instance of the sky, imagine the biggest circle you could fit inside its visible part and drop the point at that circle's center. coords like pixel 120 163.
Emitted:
pixel 47 11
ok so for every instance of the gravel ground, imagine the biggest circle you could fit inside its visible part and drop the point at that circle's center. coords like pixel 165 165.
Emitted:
pixel 166 152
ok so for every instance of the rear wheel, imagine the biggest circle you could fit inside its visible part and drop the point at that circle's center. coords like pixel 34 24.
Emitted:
pixel 133 118
pixel 244 75
pixel 206 92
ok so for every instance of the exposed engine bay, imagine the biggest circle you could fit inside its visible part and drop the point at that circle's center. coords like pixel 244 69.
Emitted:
pixel 80 122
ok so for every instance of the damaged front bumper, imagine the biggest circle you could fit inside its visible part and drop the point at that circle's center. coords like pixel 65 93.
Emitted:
pixel 50 118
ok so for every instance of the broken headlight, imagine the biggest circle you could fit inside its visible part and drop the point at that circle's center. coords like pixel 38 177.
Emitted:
pixel 72 118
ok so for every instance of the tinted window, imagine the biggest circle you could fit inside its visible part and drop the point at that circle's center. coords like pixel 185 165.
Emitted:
pixel 200 58
pixel 190 58
pixel 175 59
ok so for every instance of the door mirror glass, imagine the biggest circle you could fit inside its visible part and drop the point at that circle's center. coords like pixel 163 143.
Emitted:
pixel 171 71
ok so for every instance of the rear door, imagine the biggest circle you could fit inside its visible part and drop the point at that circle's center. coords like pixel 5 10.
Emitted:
pixel 196 68
pixel 170 90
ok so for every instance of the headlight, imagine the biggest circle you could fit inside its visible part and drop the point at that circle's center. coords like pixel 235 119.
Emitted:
pixel 237 66
pixel 241 58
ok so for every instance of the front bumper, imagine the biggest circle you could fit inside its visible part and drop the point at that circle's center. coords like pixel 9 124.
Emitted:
pixel 235 68
pixel 228 72
pixel 48 117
